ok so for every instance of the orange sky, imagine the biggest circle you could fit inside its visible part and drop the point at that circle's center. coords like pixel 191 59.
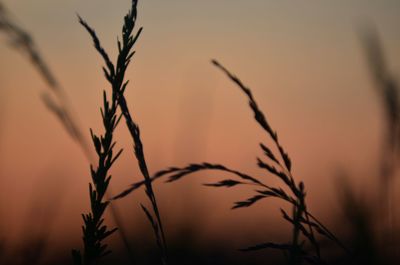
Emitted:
pixel 302 59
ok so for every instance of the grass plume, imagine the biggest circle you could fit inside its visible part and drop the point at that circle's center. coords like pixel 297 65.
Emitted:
pixel 116 77
pixel 94 230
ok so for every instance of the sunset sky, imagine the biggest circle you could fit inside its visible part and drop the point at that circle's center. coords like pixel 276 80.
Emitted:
pixel 303 60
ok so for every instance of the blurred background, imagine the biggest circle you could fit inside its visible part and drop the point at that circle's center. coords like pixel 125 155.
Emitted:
pixel 305 62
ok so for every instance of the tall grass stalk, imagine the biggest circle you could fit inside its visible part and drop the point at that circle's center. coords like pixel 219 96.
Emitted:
pixel 55 99
pixel 94 230
pixel 115 76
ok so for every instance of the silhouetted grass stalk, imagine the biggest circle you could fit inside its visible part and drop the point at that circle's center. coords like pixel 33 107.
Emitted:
pixel 55 99
pixel 299 206
pixel 115 75
pixel 94 231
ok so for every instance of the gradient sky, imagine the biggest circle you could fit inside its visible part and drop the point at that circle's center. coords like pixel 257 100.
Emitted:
pixel 303 60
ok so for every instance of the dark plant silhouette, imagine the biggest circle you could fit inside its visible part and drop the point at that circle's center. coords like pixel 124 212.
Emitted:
pixel 55 99
pixel 115 76
pixel 94 230
pixel 304 224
